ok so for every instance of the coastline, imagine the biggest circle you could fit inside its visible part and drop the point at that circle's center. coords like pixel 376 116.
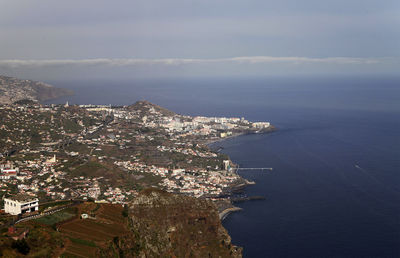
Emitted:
pixel 241 183
pixel 208 142
pixel 216 140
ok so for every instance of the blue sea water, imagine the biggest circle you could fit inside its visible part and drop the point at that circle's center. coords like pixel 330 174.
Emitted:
pixel 335 187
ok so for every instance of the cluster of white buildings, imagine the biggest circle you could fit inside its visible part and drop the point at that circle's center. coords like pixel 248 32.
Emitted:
pixel 142 167
pixel 261 125
pixel 180 124
pixel 200 125
pixel 188 151
pixel 195 183
pixel 205 183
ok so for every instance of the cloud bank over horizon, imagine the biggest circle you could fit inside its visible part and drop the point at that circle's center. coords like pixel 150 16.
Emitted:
pixel 50 39
pixel 18 63
pixel 197 67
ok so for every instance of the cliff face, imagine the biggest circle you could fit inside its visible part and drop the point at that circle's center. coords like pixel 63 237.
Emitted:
pixel 168 225
pixel 13 89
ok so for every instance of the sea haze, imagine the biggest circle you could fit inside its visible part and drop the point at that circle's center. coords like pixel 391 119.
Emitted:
pixel 335 187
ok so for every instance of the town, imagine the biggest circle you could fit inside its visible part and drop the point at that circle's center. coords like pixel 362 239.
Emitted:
pixel 108 154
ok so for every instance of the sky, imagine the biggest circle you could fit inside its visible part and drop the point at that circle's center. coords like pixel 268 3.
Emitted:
pixel 47 39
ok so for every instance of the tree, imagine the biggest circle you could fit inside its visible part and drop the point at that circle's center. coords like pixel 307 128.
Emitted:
pixel 22 246
pixel 125 212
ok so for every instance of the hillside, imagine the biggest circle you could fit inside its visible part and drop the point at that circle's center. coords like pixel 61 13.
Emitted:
pixel 13 89
pixel 155 224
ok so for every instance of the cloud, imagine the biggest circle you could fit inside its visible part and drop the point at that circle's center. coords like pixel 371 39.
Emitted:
pixel 115 62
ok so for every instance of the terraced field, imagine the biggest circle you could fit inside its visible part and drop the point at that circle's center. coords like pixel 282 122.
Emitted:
pixel 79 249
pixel 85 234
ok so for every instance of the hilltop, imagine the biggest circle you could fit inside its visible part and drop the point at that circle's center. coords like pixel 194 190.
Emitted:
pixel 146 107
pixel 13 90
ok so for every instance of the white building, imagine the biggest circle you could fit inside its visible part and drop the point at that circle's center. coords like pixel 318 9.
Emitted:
pixel 227 164
pixel 261 125
pixel 20 204
pixel 6 174
pixel 7 171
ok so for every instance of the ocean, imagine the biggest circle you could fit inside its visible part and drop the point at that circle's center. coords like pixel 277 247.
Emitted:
pixel 335 186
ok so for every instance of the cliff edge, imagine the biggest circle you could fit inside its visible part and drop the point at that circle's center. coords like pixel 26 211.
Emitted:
pixel 170 225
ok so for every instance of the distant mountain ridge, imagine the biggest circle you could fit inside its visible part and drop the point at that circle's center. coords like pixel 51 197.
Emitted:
pixel 13 90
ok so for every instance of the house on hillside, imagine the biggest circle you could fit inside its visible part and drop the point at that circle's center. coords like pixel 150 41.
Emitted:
pixel 20 204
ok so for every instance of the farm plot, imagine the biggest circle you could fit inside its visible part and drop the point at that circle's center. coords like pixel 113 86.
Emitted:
pixel 92 230
pixel 75 249
pixel 112 213
pixel 57 217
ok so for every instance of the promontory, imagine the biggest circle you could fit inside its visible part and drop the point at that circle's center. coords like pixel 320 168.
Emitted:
pixel 13 90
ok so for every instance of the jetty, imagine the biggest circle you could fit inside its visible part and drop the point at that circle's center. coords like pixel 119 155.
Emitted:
pixel 226 212
pixel 254 169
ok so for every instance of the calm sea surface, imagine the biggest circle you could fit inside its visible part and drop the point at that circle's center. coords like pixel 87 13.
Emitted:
pixel 335 187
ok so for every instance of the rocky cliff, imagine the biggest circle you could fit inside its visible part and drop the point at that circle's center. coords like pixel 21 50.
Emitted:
pixel 169 225
pixel 13 89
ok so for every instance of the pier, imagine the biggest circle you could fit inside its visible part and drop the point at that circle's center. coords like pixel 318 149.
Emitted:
pixel 254 169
